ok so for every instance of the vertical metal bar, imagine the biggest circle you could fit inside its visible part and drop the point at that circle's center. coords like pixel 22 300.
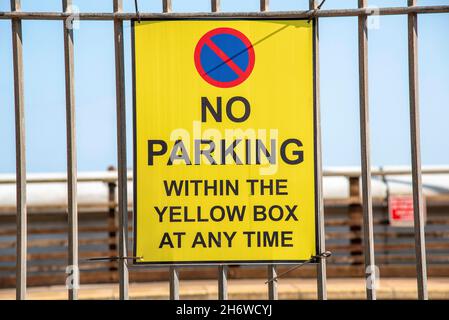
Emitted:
pixel 420 246
pixel 222 269
pixel 223 282
pixel 71 152
pixel 272 285
pixel 21 218
pixel 166 6
pixel 321 266
pixel 174 274
pixel 215 5
pixel 121 154
pixel 271 268
pixel 264 5
pixel 368 239
pixel 174 283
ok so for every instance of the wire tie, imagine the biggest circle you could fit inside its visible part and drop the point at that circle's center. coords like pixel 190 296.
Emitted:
pixel 136 6
pixel 313 15
pixel 114 258
pixel 322 255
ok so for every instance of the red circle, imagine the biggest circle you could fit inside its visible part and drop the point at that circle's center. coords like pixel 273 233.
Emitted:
pixel 246 42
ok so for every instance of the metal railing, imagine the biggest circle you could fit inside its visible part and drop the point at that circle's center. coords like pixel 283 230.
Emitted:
pixel 118 16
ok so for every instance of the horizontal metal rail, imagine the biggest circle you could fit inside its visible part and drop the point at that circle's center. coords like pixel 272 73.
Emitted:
pixel 303 14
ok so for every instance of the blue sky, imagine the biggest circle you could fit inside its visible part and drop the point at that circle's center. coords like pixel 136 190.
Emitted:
pixel 95 85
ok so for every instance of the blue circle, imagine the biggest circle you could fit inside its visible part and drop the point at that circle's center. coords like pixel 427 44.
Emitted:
pixel 214 65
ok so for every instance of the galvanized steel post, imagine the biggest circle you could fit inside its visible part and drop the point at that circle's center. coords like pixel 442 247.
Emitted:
pixel 321 266
pixel 215 5
pixel 368 239
pixel 174 275
pixel 166 6
pixel 121 154
pixel 21 218
pixel 264 5
pixel 271 268
pixel 174 283
pixel 71 152
pixel 420 243
pixel 223 282
pixel 273 284
pixel 222 269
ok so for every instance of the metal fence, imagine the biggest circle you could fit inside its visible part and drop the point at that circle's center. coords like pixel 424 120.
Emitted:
pixel 118 16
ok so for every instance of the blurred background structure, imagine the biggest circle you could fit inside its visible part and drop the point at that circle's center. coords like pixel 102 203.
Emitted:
pixel 97 200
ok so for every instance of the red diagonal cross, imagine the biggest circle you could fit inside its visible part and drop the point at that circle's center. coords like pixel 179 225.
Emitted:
pixel 223 56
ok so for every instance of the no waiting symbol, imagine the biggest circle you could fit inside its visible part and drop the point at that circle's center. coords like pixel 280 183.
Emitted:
pixel 224 57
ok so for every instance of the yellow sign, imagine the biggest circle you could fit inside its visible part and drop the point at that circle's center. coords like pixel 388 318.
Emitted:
pixel 224 141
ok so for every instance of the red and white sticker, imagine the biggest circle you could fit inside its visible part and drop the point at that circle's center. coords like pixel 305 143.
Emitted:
pixel 400 210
